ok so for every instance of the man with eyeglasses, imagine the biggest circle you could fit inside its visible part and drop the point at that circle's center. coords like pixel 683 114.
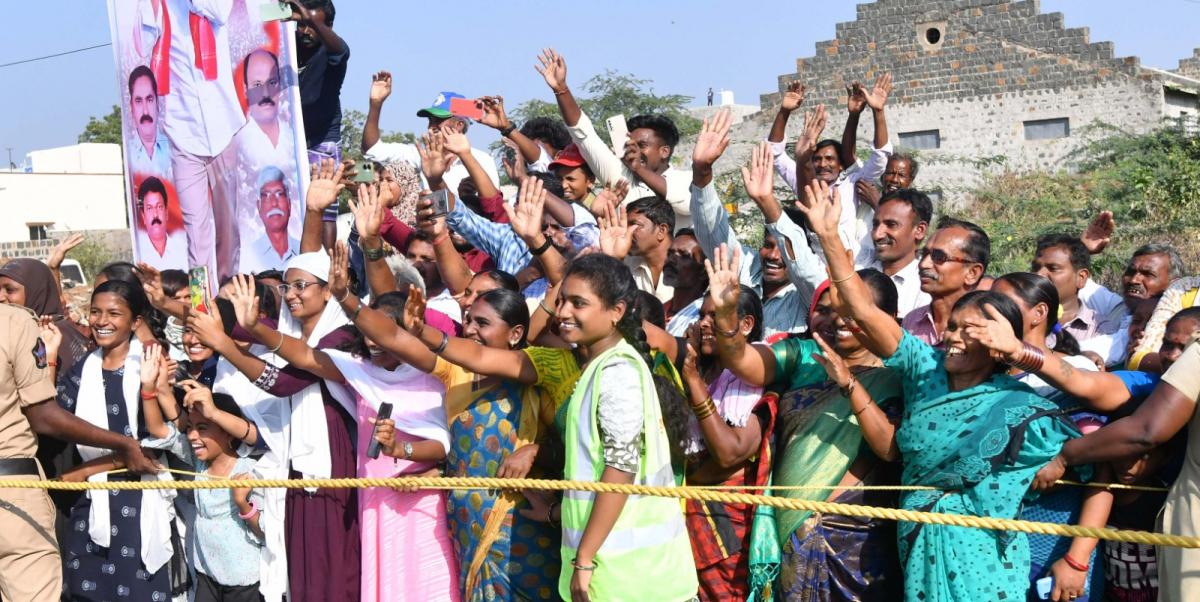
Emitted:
pixel 951 265
pixel 157 246
pixel 271 250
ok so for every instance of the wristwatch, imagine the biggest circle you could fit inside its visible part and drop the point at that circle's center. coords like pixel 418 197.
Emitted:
pixel 505 131
pixel 408 450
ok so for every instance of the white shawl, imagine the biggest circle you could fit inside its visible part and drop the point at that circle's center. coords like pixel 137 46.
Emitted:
pixel 271 415
pixel 157 510
pixel 419 395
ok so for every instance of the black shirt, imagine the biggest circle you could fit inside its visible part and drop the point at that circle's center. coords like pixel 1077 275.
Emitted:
pixel 321 80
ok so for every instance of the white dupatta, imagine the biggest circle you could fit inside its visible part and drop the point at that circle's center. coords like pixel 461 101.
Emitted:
pixel 418 396
pixel 157 510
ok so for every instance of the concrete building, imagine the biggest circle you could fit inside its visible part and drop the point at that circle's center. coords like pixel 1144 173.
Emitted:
pixel 979 83
pixel 71 188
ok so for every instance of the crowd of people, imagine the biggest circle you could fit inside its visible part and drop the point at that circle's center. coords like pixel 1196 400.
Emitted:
pixel 606 323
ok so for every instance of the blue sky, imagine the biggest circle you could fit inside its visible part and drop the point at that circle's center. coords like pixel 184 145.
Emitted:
pixel 477 48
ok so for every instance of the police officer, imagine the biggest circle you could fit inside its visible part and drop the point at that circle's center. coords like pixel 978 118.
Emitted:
pixel 30 568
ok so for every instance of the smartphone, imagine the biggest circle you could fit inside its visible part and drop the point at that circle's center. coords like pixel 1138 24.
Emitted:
pixel 618 132
pixel 466 107
pixel 198 287
pixel 440 201
pixel 364 172
pixel 270 10
pixel 1045 586
pixel 385 411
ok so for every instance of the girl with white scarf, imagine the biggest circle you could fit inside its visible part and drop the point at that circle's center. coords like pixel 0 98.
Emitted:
pixel 118 543
pixel 321 526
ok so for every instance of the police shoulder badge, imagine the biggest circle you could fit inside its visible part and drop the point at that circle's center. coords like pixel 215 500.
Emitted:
pixel 39 354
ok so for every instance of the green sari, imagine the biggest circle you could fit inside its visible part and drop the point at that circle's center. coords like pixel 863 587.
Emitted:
pixel 981 448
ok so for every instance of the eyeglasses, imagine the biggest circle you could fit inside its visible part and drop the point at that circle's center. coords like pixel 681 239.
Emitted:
pixel 938 256
pixel 268 195
pixel 300 285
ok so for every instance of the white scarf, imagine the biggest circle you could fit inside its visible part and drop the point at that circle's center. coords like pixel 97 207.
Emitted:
pixel 309 445
pixel 271 415
pixel 420 411
pixel 157 510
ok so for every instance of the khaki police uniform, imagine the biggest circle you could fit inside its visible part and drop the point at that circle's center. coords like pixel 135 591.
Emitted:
pixel 30 568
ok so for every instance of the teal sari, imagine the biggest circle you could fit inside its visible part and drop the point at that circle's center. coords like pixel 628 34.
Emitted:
pixel 980 447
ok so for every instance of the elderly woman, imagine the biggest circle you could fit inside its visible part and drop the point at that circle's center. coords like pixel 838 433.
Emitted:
pixel 969 430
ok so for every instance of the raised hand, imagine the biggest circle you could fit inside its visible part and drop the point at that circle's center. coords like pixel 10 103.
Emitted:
pixel 51 337
pixel 835 367
pixel 759 175
pixel 856 100
pixel 822 206
pixel 609 198
pixel 456 142
pixel 339 272
pixel 877 97
pixel 381 87
pixel 996 334
pixel 151 284
pixel 493 112
pixel 691 361
pixel 868 193
pixel 553 69
pixel 427 222
pixel 208 328
pixel 793 97
pixel 245 302
pixel 1099 232
pixel 413 319
pixel 713 139
pixel 368 211
pixel 152 363
pixel 199 398
pixel 724 287
pixel 616 235
pixel 514 165
pixel 433 155
pixel 60 250
pixel 526 216
pixel 325 182
pixel 814 124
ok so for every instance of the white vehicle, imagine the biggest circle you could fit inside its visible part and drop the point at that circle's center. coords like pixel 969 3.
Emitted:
pixel 72 274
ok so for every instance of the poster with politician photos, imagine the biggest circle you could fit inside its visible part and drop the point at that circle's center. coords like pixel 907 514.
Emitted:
pixel 213 136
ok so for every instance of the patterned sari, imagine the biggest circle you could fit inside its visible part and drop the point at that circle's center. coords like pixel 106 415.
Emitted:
pixel 980 447
pixel 502 555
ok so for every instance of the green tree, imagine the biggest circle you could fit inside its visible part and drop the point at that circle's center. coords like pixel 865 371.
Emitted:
pixel 352 132
pixel 105 129
pixel 615 93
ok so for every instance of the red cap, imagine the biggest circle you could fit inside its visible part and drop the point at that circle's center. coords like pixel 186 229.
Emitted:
pixel 568 157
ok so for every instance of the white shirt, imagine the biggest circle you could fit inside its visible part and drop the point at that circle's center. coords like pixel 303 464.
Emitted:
pixel 141 163
pixel 256 150
pixel 608 168
pixel 384 152
pixel 1112 337
pixel 174 255
pixel 200 116
pixel 262 256
pixel 645 279
pixel 908 287
pixel 855 223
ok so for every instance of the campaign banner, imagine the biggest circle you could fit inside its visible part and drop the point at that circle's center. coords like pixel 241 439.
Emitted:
pixel 214 144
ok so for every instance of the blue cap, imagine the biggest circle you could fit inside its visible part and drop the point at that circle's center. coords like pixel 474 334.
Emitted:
pixel 441 106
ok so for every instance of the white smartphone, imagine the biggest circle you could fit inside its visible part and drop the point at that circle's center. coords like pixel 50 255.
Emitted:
pixel 618 132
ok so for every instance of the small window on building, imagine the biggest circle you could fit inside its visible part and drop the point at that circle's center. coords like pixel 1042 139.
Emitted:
pixel 1047 129
pixel 931 35
pixel 923 140
pixel 38 232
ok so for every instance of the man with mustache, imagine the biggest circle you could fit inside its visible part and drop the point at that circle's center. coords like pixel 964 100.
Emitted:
pixel 899 227
pixel 267 140
pixel 1156 272
pixel 1065 261
pixel 275 247
pixel 899 173
pixel 156 245
pixel 151 153
pixel 652 221
pixel 951 265
pixel 685 272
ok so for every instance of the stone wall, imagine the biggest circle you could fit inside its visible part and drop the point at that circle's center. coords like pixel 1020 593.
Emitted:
pixel 975 70
pixel 1190 67
pixel 109 245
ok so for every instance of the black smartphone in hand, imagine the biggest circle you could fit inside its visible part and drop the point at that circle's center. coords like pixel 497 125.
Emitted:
pixel 385 411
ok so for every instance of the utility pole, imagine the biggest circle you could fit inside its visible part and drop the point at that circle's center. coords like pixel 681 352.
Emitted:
pixel 11 165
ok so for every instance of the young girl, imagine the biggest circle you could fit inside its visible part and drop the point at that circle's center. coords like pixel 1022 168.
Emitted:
pixel 118 543
pixel 226 537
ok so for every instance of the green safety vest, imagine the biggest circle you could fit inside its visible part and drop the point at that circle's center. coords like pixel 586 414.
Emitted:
pixel 647 556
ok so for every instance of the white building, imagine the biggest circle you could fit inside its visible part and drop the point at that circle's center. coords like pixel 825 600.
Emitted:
pixel 71 188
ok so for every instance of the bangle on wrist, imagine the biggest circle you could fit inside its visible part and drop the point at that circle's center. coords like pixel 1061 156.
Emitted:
pixel 1075 564
pixel 583 567
pixel 149 395
pixel 442 346
pixel 541 248
pixel 542 306
pixel 345 295
pixel 441 238
pixel 848 389
pixel 550 513
pixel 275 349
pixel 565 90
pixel 704 409
pixel 841 280
pixel 249 514
pixel 1029 358
pixel 372 254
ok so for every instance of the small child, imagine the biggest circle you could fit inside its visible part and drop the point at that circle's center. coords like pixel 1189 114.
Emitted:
pixel 226 539
pixel 1131 569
